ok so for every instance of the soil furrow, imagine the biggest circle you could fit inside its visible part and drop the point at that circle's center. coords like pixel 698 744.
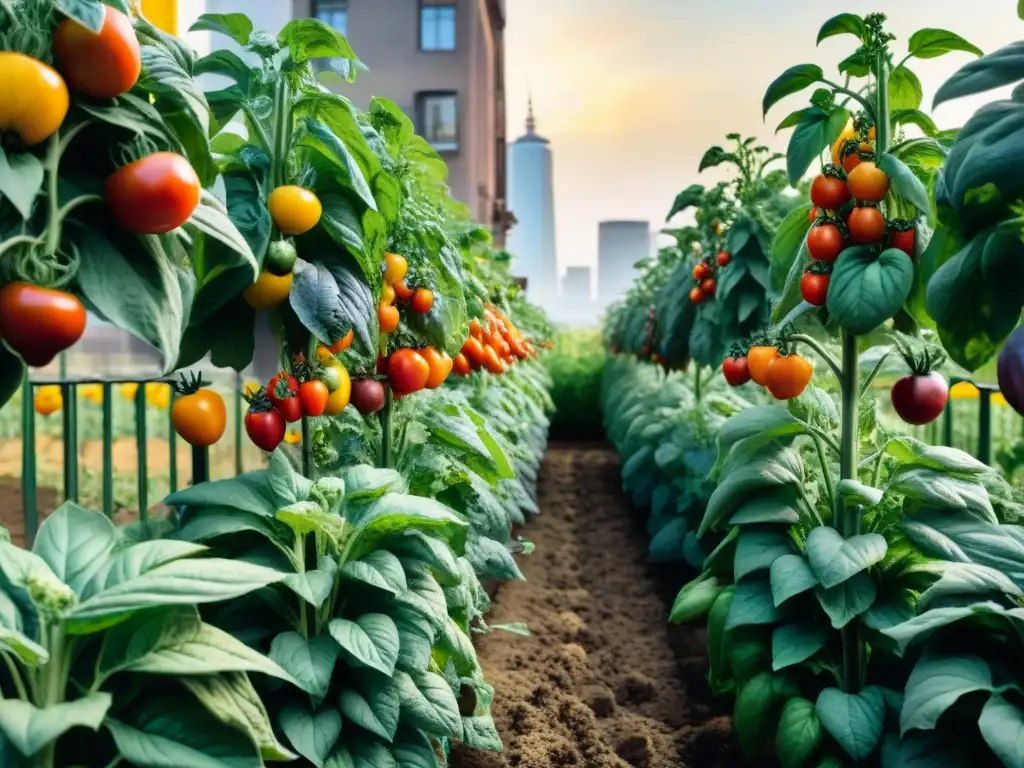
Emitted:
pixel 602 682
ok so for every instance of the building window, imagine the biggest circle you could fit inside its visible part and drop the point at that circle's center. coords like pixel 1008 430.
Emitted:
pixel 439 120
pixel 334 13
pixel 437 25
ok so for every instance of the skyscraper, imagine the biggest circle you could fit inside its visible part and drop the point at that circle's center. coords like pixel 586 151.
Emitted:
pixel 620 244
pixel 531 194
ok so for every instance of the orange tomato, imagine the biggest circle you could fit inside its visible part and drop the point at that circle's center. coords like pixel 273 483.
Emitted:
pixel 402 291
pixel 200 418
pixel 461 366
pixel 422 301
pixel 758 360
pixel 395 268
pixel 343 343
pixel 491 362
pixel 100 64
pixel 788 376
pixel 388 317
pixel 440 366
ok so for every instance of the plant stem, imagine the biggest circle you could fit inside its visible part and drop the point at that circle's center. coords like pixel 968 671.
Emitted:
pixel 52 241
pixel 882 101
pixel 868 106
pixel 300 564
pixel 282 134
pixel 822 353
pixel 847 519
pixel 56 672
pixel 825 470
pixel 19 684
pixel 307 449
pixel 385 428
pixel 696 382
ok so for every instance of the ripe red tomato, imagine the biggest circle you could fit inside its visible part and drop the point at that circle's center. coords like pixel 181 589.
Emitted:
pixel 867 225
pixel 904 241
pixel 313 397
pixel 920 399
pixel 407 371
pixel 868 182
pixel 708 287
pixel 736 371
pixel 283 393
pixel 696 295
pixel 812 215
pixel 100 64
pixel 153 195
pixel 701 271
pixel 824 242
pixel 723 258
pixel 367 395
pixel 402 291
pixel 460 365
pixel 422 301
pixel 814 288
pixel 265 427
pixel 852 159
pixel 38 323
pixel 828 192
pixel 788 376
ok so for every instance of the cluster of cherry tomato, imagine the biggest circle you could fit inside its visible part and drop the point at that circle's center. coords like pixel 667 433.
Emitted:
pixel 294 210
pixel 152 195
pixel 420 300
pixel 704 277
pixel 499 345
pixel 845 198
pixel 784 375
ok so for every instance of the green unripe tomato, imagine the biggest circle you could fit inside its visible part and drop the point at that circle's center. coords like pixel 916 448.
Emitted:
pixel 280 258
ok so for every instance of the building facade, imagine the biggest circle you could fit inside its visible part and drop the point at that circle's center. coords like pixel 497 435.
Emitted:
pixel 620 244
pixel 531 193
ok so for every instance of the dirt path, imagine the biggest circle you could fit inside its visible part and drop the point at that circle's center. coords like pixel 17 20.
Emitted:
pixel 602 682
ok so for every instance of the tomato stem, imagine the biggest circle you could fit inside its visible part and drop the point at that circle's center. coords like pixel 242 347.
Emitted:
pixel 847 517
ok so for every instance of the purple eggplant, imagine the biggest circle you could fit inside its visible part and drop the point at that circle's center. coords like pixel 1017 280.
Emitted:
pixel 1011 370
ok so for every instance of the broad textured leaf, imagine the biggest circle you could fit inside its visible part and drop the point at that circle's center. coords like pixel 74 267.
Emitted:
pixel 799 733
pixel 30 729
pixel 967 579
pixel 752 603
pixel 694 600
pixel 854 720
pixel 380 569
pixel 835 559
pixel 793 80
pixel 931 43
pixel 311 734
pixel 21 179
pixel 850 599
pixel 791 575
pixel 786 245
pixel 866 289
pixel 906 183
pixel 371 640
pixel 905 91
pixel 843 24
pixel 75 543
pixel 758 549
pixel 1001 67
pixel 310 661
pixel 756 712
pixel 237 26
pixel 936 683
pixel 428 703
pixel 375 707
pixel 794 643
pixel 757 477
pixel 943 491
pixel 1002 726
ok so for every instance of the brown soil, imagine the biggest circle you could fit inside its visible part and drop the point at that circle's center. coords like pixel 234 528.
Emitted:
pixel 603 681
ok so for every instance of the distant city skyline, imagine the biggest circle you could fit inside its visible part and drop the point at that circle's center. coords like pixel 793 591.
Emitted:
pixel 630 95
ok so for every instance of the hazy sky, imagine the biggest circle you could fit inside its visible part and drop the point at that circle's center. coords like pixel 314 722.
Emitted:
pixel 632 93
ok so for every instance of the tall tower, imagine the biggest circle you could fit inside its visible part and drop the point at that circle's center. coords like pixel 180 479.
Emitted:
pixel 531 195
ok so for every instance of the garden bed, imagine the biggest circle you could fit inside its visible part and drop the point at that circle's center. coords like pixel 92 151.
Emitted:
pixel 602 680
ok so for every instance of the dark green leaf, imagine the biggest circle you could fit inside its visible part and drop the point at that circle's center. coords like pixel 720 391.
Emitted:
pixel 715 156
pixel 314 39
pixel 854 720
pixel 21 179
pixel 752 604
pixel 866 290
pixel 848 600
pixel 799 733
pixel 791 575
pixel 330 299
pixel 914 117
pixel 371 640
pixel 789 237
pixel 936 684
pixel 907 185
pixel 834 559
pixel 695 599
pixel 88 13
pixel 1001 722
pixel 311 734
pixel 794 643
pixel 12 369
pixel 997 69
pixel 690 196
pixel 793 80
pixel 756 713
pixel 844 24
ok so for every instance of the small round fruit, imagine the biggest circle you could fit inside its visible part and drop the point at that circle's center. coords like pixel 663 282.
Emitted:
pixel 696 295
pixel 701 270
pixel 283 394
pixel 824 242
pixel 708 287
pixel 814 288
pixel 868 182
pixel 36 107
pixel 848 132
pixel 395 268
pixel 461 366
pixel 402 291
pixel 408 371
pixel 38 323
pixel 492 362
pixel 388 317
pixel 758 360
pixel 280 258
pixel 341 396
pixel 723 258
pixel 343 343
pixel 367 395
pixel 265 428
pixel 736 371
pixel 49 399
pixel 422 301
pixel 867 225
pixel 295 210
pixel 440 366
pixel 788 376
pixel 904 241
pixel 920 399
pixel 387 294
pixel 829 192
pixel 268 291
pixel 313 396
pixel 853 159
pixel 200 418
pixel 1010 370
pixel 153 195
pixel 100 64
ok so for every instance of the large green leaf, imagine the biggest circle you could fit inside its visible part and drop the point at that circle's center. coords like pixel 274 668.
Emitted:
pixel 843 24
pixel 757 550
pixel 756 713
pixel 939 490
pixel 395 513
pixel 967 579
pixel 330 299
pixel 1002 726
pixel 75 543
pixel 752 603
pixel 786 245
pixel 932 43
pixel 371 640
pixel 866 289
pixel 312 734
pixel 936 684
pixel 905 91
pixel 756 477
pixel 834 559
pixel 854 720
pixel 695 599
pixel 906 183
pixel 793 80
pixel 237 26
pixel 429 704
pixel 1001 67
pixel 790 575
pixel 794 643
pixel 375 706
pixel 30 729
pixel 310 661
pixel 851 598
pixel 798 734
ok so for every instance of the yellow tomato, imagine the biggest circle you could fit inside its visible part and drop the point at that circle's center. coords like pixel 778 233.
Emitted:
pixel 92 392
pixel 251 387
pixel 128 390
pixel 158 395
pixel 963 390
pixel 339 398
pixel 268 291
pixel 847 134
pixel 397 267
pixel 295 210
pixel 48 399
pixel 36 106
pixel 387 294
pixel 292 436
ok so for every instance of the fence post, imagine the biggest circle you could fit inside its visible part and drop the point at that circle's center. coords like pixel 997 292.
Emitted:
pixel 108 449
pixel 200 465
pixel 28 460
pixel 142 444
pixel 985 424
pixel 172 443
pixel 69 414
pixel 239 416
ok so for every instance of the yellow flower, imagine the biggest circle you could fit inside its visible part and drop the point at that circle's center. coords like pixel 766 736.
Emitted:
pixel 158 395
pixel 999 399
pixel 48 399
pixel 963 390
pixel 292 437
pixel 251 387
pixel 128 390
pixel 92 392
